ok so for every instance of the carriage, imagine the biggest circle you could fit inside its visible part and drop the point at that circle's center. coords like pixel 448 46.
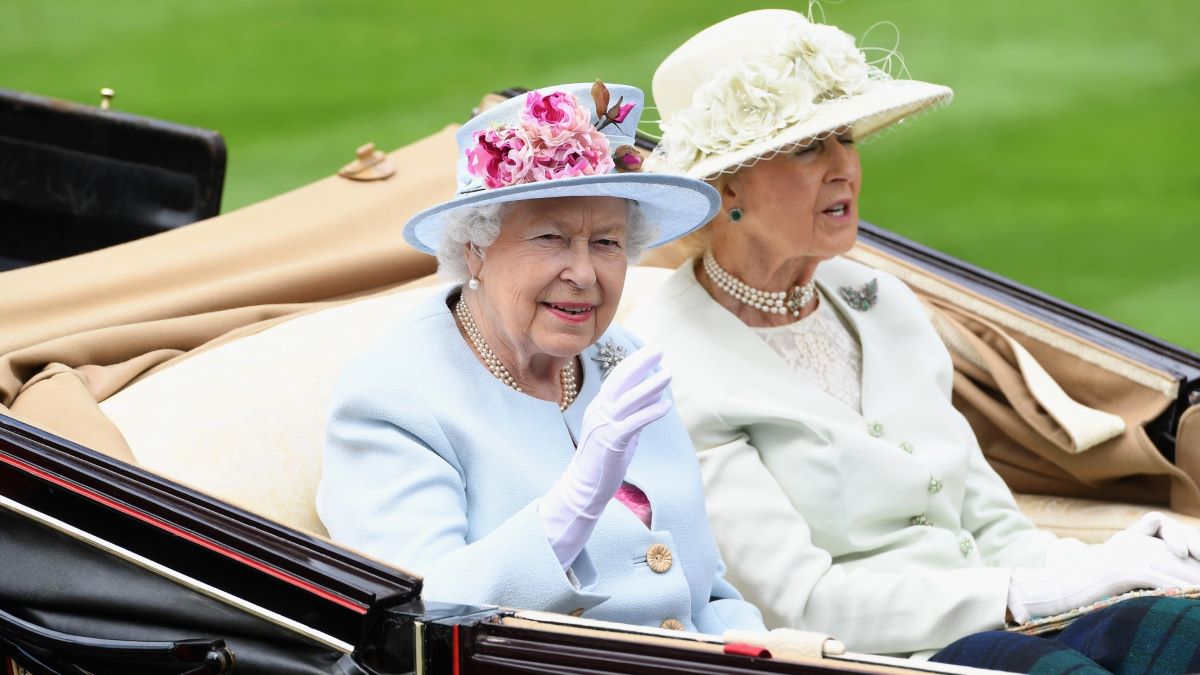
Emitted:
pixel 162 403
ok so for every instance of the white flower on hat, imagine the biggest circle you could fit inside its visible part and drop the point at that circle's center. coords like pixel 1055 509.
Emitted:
pixel 751 100
pixel 738 107
pixel 834 64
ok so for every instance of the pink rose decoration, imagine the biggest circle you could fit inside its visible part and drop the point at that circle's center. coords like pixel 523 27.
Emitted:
pixel 623 112
pixel 584 154
pixel 627 159
pixel 501 156
pixel 555 140
pixel 553 117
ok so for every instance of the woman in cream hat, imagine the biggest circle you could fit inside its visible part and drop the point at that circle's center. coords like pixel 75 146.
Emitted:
pixel 846 492
pixel 505 440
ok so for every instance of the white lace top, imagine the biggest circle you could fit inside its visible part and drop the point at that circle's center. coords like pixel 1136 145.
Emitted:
pixel 823 348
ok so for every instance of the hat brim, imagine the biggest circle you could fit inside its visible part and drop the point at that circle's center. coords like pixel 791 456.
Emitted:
pixel 886 103
pixel 676 204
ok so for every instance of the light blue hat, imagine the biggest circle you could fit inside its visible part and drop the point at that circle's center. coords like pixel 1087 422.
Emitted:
pixel 560 142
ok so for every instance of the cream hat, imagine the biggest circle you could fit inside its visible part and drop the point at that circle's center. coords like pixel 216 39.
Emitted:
pixel 759 82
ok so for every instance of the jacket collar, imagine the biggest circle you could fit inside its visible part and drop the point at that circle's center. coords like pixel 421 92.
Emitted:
pixel 765 371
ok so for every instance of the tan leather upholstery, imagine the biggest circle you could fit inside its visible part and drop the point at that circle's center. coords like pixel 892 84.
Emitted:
pixel 1088 520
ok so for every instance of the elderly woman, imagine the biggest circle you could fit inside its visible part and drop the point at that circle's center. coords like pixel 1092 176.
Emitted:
pixel 505 440
pixel 846 492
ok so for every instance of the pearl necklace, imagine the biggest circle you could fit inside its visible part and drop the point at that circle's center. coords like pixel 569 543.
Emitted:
pixel 570 388
pixel 771 302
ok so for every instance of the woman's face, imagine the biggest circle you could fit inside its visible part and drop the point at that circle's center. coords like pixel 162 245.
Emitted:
pixel 550 283
pixel 803 202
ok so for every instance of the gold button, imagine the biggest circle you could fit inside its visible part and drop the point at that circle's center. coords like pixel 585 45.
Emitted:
pixel 907 447
pixel 875 429
pixel 576 612
pixel 671 624
pixel 935 485
pixel 659 558
pixel 920 520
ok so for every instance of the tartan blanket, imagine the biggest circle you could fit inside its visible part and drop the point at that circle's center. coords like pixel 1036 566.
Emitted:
pixel 1143 634
pixel 1053 624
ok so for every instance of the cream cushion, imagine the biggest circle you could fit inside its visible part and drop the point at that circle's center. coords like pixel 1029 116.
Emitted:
pixel 245 421
pixel 1088 520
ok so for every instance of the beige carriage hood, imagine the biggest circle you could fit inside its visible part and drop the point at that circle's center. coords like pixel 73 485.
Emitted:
pixel 77 330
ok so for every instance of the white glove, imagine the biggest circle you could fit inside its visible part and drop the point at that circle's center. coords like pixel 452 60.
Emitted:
pixel 630 398
pixel 1181 540
pixel 1126 562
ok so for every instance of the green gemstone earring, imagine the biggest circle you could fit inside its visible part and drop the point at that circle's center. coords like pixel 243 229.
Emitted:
pixel 735 214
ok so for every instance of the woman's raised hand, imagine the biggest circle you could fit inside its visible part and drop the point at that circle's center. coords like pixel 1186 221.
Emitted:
pixel 630 399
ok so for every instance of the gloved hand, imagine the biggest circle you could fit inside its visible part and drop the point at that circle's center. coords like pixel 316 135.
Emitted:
pixel 1182 540
pixel 1126 562
pixel 630 398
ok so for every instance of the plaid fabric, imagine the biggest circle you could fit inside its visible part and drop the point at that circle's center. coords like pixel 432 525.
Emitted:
pixel 1017 653
pixel 1054 624
pixel 1141 635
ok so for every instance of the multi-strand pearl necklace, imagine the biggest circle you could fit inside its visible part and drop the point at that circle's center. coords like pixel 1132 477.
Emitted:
pixel 570 387
pixel 771 302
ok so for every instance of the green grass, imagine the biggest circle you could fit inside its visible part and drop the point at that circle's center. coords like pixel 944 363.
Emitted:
pixel 1068 160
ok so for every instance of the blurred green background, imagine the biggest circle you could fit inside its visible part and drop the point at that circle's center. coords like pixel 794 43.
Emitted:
pixel 1068 160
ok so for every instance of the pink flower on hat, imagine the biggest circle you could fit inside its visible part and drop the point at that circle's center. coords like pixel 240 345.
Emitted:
pixel 555 139
pixel 583 154
pixel 553 117
pixel 623 112
pixel 501 156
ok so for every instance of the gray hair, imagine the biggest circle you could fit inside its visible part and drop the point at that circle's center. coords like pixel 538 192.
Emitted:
pixel 480 225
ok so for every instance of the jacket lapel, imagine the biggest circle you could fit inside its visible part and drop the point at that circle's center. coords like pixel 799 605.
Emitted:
pixel 870 325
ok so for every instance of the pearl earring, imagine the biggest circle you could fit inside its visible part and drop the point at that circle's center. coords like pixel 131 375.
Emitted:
pixel 473 284
pixel 735 214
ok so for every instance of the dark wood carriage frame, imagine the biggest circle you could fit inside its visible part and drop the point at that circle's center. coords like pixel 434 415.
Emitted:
pixel 377 610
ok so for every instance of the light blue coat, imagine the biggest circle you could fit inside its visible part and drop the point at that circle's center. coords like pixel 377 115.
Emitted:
pixel 435 466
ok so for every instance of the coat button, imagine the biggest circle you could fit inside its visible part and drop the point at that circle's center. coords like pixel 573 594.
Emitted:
pixel 919 520
pixel 671 624
pixel 907 447
pixel 659 558
pixel 935 485
pixel 965 545
pixel 875 429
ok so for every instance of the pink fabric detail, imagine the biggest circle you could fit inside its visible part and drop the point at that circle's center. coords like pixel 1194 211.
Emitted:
pixel 743 649
pixel 636 500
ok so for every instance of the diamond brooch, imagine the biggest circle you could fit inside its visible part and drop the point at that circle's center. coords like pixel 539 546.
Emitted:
pixel 610 355
pixel 863 297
